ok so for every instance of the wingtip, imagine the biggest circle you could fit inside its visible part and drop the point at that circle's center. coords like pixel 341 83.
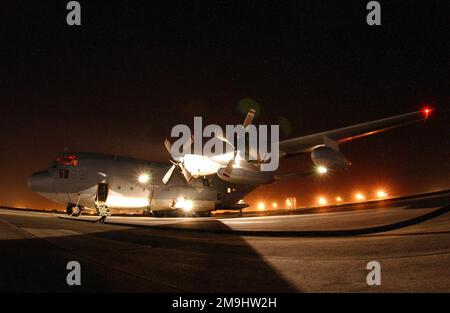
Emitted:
pixel 426 111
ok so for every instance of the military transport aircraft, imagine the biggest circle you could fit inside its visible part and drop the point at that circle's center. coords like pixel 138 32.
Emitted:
pixel 191 185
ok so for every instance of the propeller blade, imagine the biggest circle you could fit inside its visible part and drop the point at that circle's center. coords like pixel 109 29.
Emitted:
pixel 222 138
pixel 229 167
pixel 167 176
pixel 185 173
pixel 249 118
pixel 168 146
pixel 176 162
pixel 230 164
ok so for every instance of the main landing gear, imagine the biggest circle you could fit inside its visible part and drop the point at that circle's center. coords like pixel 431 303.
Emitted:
pixel 103 211
pixel 100 201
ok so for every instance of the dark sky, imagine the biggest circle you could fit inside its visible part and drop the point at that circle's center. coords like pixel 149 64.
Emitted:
pixel 118 83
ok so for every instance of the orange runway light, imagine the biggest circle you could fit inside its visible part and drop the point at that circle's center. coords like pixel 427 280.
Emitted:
pixel 338 199
pixel 288 202
pixel 261 206
pixel 381 194
pixel 360 197
pixel 322 201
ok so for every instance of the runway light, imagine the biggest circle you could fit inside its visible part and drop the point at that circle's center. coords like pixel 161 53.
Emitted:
pixel 322 201
pixel 338 199
pixel 189 204
pixel 185 205
pixel 291 202
pixel 261 206
pixel 381 194
pixel 144 178
pixel 322 170
pixel 274 205
pixel 360 197
pixel 288 203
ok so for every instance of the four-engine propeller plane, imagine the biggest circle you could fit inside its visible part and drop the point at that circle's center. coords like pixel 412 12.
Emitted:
pixel 193 184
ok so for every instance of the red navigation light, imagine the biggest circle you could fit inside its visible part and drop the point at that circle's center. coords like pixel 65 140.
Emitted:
pixel 426 111
pixel 67 160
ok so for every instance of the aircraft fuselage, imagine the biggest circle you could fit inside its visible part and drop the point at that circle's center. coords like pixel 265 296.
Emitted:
pixel 76 182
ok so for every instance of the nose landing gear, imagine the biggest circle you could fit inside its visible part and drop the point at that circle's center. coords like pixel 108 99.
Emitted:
pixel 73 209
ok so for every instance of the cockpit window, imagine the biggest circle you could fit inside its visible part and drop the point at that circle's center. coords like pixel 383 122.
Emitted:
pixel 66 160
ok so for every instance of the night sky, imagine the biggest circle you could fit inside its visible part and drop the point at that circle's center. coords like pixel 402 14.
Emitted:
pixel 119 82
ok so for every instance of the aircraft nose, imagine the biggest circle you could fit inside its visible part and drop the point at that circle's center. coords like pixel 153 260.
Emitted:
pixel 40 181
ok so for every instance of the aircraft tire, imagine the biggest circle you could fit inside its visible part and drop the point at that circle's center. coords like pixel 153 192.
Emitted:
pixel 157 214
pixel 73 210
pixel 76 210
pixel 69 209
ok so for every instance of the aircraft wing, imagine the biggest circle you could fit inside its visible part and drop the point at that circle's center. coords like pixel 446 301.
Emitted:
pixel 308 143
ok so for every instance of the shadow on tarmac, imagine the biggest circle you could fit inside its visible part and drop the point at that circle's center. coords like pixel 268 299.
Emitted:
pixel 130 260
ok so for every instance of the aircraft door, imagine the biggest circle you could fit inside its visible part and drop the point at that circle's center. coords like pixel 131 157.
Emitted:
pixel 102 192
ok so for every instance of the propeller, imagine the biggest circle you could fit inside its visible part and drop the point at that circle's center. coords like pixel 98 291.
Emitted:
pixel 179 162
pixel 248 120
pixel 175 164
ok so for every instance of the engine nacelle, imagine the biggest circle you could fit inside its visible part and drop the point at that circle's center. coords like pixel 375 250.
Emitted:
pixel 241 176
pixel 329 158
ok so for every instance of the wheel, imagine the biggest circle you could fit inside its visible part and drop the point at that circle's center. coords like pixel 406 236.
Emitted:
pixel 76 210
pixel 73 210
pixel 157 214
pixel 102 209
pixel 69 209
pixel 147 213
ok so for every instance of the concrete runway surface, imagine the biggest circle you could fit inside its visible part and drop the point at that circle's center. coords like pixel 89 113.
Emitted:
pixel 324 251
